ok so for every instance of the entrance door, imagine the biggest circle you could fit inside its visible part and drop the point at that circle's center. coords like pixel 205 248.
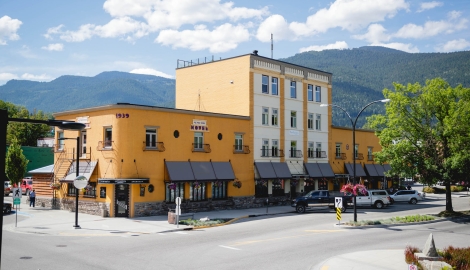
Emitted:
pixel 121 203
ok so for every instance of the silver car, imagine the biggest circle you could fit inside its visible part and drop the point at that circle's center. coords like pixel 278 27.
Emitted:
pixel 410 196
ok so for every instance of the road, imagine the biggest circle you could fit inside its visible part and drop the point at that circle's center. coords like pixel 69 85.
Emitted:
pixel 289 241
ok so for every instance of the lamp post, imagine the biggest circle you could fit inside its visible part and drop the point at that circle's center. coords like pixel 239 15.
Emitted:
pixel 353 123
pixel 4 119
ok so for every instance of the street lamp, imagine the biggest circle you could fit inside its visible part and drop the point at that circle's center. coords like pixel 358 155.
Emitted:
pixel 79 182
pixel 4 119
pixel 353 123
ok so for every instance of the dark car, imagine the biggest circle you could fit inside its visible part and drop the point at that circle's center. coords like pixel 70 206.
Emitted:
pixel 7 207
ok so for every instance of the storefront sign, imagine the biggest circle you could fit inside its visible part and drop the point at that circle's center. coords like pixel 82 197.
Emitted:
pixel 199 125
pixel 124 181
pixel 83 120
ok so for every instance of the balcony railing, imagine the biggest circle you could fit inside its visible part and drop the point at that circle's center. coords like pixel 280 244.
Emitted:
pixel 295 153
pixel 105 145
pixel 359 156
pixel 316 154
pixel 272 152
pixel 340 156
pixel 241 149
pixel 154 146
pixel 199 147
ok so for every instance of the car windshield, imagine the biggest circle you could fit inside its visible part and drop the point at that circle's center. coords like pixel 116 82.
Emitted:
pixel 30 182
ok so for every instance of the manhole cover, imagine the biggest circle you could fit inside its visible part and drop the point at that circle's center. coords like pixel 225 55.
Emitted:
pixel 25 258
pixel 61 246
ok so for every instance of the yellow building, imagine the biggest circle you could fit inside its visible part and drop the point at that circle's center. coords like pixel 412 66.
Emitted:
pixel 138 159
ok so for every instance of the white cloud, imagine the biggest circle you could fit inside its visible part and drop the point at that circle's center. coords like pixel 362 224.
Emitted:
pixel 223 38
pixel 53 31
pixel 375 34
pixel 54 47
pixel 276 25
pixel 348 14
pixel 398 46
pixel 430 29
pixel 150 71
pixel 120 27
pixel 454 45
pixel 85 32
pixel 453 15
pixel 429 5
pixel 31 77
pixel 338 45
pixel 8 76
pixel 8 29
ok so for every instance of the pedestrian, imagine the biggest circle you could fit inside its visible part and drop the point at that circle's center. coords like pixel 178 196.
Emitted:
pixel 32 198
pixel 408 187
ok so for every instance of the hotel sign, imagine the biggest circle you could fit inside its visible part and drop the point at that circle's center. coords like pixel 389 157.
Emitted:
pixel 199 125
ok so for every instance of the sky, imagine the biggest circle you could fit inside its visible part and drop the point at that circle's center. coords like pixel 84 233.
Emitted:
pixel 43 40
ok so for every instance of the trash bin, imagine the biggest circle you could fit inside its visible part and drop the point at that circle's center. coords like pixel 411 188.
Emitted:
pixel 171 217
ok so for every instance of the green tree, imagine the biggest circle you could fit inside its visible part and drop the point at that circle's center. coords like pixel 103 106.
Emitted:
pixel 27 134
pixel 426 131
pixel 16 163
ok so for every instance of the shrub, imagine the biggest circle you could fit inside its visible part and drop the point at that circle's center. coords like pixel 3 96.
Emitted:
pixel 456 188
pixel 428 189
pixel 459 258
pixel 410 255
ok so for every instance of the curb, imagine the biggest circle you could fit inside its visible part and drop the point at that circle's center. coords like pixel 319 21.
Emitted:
pixel 389 225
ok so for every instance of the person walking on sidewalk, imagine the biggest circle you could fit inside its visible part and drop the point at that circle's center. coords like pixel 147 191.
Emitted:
pixel 32 198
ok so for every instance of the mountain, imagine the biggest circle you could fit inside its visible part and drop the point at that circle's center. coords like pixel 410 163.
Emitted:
pixel 75 92
pixel 360 75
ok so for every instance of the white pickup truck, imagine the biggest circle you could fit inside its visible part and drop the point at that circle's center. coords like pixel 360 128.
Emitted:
pixel 377 198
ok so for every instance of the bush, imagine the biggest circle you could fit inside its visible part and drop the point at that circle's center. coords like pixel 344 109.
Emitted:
pixel 459 258
pixel 428 190
pixel 410 255
pixel 456 188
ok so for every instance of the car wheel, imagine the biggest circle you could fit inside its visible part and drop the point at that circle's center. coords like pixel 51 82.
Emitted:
pixel 413 201
pixel 300 209
pixel 379 205
pixel 7 210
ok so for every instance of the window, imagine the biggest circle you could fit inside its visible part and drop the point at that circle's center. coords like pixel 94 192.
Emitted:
pixel 274 117
pixel 265 85
pixel 219 190
pixel 369 154
pixel 278 187
pixel 261 188
pixel 317 93
pixel 108 137
pixel 274 89
pixel 265 148
pixel 176 190
pixel 293 148
pixel 197 193
pixel 71 189
pixel 318 150
pixel 150 138
pixel 265 118
pixel 275 148
pixel 91 190
pixel 293 119
pixel 310 92
pixel 60 135
pixel 310 121
pixel 318 122
pixel 356 147
pixel 198 140
pixel 338 150
pixel 293 89
pixel 238 142
pixel 310 150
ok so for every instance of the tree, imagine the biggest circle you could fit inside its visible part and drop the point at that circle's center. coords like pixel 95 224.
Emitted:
pixel 426 132
pixel 27 134
pixel 16 162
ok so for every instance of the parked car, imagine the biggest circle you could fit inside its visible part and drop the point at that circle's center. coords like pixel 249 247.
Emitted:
pixel 410 196
pixel 377 198
pixel 318 199
pixel 7 188
pixel 7 207
pixel 26 185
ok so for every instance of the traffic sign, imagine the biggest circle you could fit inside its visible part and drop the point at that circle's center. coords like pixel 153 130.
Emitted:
pixel 412 267
pixel 16 201
pixel 338 202
pixel 17 193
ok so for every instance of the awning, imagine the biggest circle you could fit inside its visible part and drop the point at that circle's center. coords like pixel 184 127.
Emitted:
pixel 85 168
pixel 203 171
pixel 265 170
pixel 223 171
pixel 281 170
pixel 371 170
pixel 359 170
pixel 380 170
pixel 326 170
pixel 313 170
pixel 179 171
pixel 296 168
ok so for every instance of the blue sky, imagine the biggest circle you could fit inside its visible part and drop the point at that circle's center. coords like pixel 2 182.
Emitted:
pixel 43 40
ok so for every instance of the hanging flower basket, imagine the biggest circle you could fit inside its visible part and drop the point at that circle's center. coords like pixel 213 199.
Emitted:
pixel 359 189
pixel 293 182
pixel 196 185
pixel 348 188
pixel 55 186
pixel 172 186
pixel 217 184
pixel 237 184
pixel 263 182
